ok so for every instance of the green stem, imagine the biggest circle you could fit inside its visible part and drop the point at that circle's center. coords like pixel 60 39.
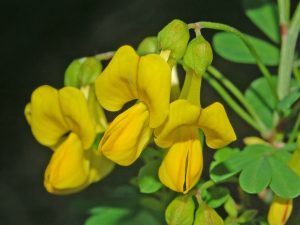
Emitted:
pixel 191 88
pixel 288 44
pixel 237 93
pixel 295 131
pixel 105 55
pixel 219 26
pixel 207 185
pixel 240 111
pixel 186 86
pixel 284 11
pixel 194 90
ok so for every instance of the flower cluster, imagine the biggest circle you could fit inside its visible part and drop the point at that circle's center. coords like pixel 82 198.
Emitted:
pixel 62 119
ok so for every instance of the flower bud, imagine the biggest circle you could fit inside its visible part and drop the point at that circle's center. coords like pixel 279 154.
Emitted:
pixel 180 211
pixel 147 46
pixel 82 72
pixel 280 211
pixel 207 216
pixel 198 56
pixel 174 37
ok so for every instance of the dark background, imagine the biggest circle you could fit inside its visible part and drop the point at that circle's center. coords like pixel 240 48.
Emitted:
pixel 38 40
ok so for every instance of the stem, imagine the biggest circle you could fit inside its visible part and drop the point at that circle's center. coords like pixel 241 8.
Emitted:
pixel 284 11
pixel 237 93
pixel 186 86
pixel 295 130
pixel 105 55
pixel 191 88
pixel 207 185
pixel 193 95
pixel 288 45
pixel 219 26
pixel 240 111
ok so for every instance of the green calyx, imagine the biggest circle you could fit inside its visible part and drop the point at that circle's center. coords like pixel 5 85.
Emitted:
pixel 147 46
pixel 198 56
pixel 82 72
pixel 174 36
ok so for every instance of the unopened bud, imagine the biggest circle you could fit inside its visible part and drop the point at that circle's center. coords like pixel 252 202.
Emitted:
pixel 174 37
pixel 180 211
pixel 82 72
pixel 147 46
pixel 198 56
pixel 207 216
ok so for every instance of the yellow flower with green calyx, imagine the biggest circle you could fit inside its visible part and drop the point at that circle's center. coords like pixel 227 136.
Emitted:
pixel 128 77
pixel 183 163
pixel 60 119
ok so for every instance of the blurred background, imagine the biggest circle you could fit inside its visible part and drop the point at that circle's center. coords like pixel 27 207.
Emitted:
pixel 38 41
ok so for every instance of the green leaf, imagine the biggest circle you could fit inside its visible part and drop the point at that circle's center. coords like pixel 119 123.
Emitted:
pixel 232 48
pixel 285 104
pixel 264 14
pixel 215 196
pixel 285 183
pixel 260 96
pixel 72 74
pixel 225 153
pixel 150 154
pixel 226 169
pixel 180 211
pixel 256 176
pixel 142 217
pixel 89 71
pixel 107 216
pixel 247 216
pixel 148 179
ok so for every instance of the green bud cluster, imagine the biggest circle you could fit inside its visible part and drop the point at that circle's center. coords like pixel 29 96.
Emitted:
pixel 82 72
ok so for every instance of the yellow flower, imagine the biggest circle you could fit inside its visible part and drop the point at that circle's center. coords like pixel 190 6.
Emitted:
pixel 128 77
pixel 183 163
pixel 60 120
pixel 280 211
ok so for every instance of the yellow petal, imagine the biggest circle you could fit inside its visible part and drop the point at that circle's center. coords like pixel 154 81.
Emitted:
pixel 182 166
pixel 182 116
pixel 75 111
pixel 253 140
pixel 194 165
pixel 154 87
pixel 100 166
pixel 27 113
pixel 47 122
pixel 68 169
pixel 127 135
pixel 116 85
pixel 216 126
pixel 280 211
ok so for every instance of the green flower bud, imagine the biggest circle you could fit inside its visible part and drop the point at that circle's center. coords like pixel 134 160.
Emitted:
pixel 174 37
pixel 198 56
pixel 71 74
pixel 207 216
pixel 147 46
pixel 180 211
pixel 89 71
pixel 82 72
